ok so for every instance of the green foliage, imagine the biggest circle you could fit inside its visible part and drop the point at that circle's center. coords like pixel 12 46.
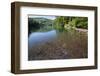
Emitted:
pixel 64 23
pixel 61 23
pixel 39 24
pixel 82 23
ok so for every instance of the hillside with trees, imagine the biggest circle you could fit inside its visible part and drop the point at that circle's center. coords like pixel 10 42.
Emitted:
pixel 60 23
pixel 57 37
pixel 39 24
pixel 65 23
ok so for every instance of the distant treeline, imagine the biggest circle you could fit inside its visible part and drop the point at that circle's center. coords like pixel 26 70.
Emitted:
pixel 60 23
pixel 35 24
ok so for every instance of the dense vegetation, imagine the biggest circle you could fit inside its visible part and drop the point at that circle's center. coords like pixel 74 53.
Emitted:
pixel 38 24
pixel 59 23
pixel 66 23
pixel 65 43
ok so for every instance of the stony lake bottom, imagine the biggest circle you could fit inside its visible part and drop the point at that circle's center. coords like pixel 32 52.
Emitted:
pixel 57 45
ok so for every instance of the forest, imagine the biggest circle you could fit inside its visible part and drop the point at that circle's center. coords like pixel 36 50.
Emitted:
pixel 57 37
pixel 61 23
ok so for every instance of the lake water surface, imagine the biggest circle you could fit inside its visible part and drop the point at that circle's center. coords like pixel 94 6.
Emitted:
pixel 57 45
pixel 36 38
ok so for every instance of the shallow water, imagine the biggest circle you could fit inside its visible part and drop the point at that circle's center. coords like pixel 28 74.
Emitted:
pixel 36 38
pixel 57 45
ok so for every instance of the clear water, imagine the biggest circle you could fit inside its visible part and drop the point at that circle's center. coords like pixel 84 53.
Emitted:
pixel 57 45
pixel 36 38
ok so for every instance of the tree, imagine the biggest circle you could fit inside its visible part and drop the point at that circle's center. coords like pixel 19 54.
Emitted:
pixel 62 22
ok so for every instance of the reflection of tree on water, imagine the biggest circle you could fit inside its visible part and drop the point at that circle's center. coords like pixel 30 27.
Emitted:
pixel 69 40
pixel 39 24
pixel 60 23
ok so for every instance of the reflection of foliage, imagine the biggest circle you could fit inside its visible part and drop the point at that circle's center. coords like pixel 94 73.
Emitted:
pixel 32 25
pixel 60 23
pixel 39 24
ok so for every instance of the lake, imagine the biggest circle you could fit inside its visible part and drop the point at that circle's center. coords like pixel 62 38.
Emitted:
pixel 57 45
pixel 37 38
